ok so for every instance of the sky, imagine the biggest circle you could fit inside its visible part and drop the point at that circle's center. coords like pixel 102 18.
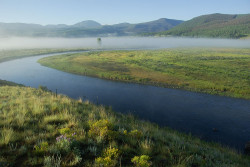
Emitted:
pixel 113 11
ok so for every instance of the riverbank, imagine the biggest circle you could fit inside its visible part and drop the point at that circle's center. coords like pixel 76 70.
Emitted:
pixel 39 128
pixel 218 71
pixel 7 55
pixel 5 83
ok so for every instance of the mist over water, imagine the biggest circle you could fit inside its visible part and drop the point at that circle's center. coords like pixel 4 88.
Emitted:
pixel 181 110
pixel 120 43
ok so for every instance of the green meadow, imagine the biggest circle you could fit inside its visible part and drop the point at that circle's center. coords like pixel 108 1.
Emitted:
pixel 218 71
pixel 38 128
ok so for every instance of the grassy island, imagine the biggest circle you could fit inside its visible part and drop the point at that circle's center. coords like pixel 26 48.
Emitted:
pixel 38 128
pixel 219 71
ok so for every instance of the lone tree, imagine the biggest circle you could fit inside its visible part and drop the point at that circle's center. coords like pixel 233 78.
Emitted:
pixel 99 41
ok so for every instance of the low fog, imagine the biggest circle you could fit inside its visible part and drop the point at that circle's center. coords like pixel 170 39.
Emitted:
pixel 119 43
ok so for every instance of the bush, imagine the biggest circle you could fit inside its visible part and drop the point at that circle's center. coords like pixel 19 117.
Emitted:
pixel 63 144
pixel 141 161
pixel 64 131
pixel 136 134
pixel 109 158
pixel 41 147
pixel 43 88
pixel 67 133
pixel 52 161
pixel 100 130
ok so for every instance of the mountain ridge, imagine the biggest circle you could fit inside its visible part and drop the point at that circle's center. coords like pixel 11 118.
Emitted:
pixel 213 25
pixel 85 28
pixel 88 24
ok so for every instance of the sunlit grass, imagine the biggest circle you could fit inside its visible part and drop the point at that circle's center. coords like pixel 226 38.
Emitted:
pixel 210 70
pixel 37 128
pixel 7 134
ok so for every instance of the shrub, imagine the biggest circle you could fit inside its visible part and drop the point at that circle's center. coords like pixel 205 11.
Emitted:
pixel 43 88
pixel 52 161
pixel 136 134
pixel 100 129
pixel 22 150
pixel 76 157
pixel 63 143
pixel 109 158
pixel 141 161
pixel 125 132
pixel 41 147
pixel 64 131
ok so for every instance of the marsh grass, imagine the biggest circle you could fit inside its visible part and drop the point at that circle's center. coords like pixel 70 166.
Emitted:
pixel 220 71
pixel 58 131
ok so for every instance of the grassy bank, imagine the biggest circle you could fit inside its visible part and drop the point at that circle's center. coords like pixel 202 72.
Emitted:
pixel 215 71
pixel 39 129
pixel 5 83
pixel 6 55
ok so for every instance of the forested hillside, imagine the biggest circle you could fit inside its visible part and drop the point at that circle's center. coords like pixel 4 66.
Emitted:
pixel 214 25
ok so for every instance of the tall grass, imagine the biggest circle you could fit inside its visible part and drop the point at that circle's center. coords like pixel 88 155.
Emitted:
pixel 37 128
pixel 7 134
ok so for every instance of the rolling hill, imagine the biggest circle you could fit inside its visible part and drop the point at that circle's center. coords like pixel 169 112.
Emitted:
pixel 88 24
pixel 213 25
pixel 85 29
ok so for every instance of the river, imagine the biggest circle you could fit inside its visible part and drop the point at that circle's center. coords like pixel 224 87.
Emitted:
pixel 190 112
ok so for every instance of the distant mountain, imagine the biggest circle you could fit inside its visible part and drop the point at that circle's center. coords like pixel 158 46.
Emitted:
pixel 19 29
pixel 88 24
pixel 57 26
pixel 213 25
pixel 155 26
pixel 152 26
pixel 85 29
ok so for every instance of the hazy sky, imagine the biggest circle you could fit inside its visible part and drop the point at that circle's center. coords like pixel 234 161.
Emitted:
pixel 113 11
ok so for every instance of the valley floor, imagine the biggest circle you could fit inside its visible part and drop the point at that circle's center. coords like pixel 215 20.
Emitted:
pixel 38 128
pixel 219 71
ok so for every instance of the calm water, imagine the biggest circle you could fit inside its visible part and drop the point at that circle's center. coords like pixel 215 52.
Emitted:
pixel 182 110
